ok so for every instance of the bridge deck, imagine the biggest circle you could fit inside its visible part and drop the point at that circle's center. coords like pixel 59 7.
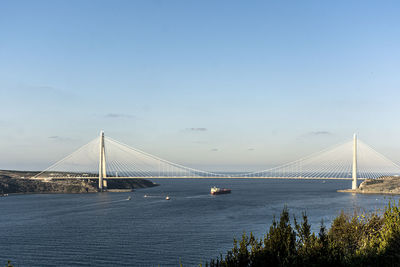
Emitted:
pixel 201 177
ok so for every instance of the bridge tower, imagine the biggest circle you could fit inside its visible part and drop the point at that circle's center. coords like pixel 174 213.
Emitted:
pixel 102 164
pixel 354 175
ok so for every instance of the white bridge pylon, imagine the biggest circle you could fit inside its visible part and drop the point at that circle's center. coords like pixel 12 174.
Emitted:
pixel 116 160
pixel 351 160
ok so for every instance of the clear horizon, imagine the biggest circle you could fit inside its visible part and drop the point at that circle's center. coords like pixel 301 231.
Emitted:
pixel 211 85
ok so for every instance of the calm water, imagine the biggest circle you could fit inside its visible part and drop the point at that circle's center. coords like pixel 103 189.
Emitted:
pixel 106 229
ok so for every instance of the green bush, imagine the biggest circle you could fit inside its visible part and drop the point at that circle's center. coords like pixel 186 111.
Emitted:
pixel 352 240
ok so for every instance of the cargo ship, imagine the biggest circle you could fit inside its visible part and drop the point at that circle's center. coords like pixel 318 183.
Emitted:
pixel 218 191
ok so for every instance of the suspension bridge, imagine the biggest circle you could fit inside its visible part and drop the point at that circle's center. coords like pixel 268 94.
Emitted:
pixel 105 158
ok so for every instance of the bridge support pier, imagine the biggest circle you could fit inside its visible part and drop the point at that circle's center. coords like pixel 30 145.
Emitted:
pixel 354 174
pixel 102 165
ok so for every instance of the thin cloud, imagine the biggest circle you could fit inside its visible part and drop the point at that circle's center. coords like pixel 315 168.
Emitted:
pixel 59 138
pixel 45 89
pixel 40 89
pixel 200 129
pixel 214 149
pixel 250 149
pixel 118 115
pixel 320 133
pixel 315 134
pixel 200 142
pixel 33 93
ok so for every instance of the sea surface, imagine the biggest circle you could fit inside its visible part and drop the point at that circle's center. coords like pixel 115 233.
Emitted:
pixel 106 229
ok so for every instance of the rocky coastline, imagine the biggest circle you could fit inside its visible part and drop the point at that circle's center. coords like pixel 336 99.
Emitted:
pixel 383 185
pixel 14 182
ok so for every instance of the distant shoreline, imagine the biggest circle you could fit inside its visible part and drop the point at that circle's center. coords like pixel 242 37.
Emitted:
pixel 15 182
pixel 387 185
pixel 356 191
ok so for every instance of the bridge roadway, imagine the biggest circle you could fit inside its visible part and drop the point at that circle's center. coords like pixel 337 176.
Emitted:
pixel 201 177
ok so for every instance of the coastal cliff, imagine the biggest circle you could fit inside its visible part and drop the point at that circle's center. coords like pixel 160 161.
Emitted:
pixel 18 182
pixel 382 185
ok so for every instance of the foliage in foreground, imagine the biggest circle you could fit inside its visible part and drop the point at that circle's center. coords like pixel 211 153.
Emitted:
pixel 352 240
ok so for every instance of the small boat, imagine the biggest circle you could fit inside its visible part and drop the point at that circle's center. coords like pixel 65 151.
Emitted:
pixel 129 198
pixel 145 195
pixel 218 191
pixel 167 198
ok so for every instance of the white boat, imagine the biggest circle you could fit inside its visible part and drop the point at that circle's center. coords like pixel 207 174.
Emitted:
pixel 129 198
pixel 167 198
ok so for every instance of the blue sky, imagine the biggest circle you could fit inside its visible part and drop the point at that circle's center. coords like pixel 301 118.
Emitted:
pixel 210 84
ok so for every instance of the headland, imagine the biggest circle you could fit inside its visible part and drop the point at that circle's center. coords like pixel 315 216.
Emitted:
pixel 383 185
pixel 12 182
